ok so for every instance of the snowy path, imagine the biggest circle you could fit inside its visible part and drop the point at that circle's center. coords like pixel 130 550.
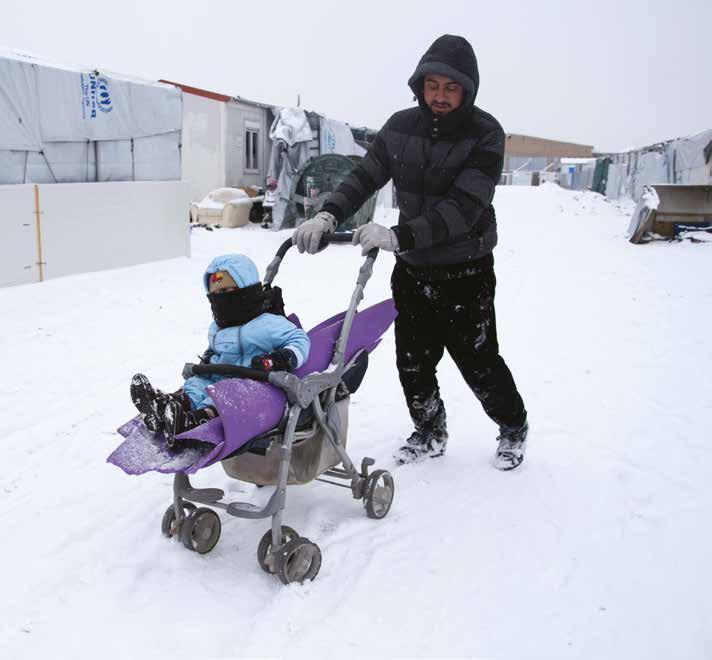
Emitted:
pixel 597 547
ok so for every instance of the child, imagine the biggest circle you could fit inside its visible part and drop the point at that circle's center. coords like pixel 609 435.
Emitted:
pixel 243 334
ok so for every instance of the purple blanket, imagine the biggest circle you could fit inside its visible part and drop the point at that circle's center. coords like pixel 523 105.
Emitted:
pixel 247 408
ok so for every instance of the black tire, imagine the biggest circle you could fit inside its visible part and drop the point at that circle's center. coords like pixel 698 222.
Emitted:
pixel 265 546
pixel 169 517
pixel 298 561
pixel 380 490
pixel 201 530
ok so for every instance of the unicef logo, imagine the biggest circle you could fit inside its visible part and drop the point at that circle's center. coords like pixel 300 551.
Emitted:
pixel 103 97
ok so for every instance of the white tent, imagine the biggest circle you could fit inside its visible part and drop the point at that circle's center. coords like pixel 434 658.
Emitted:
pixel 62 125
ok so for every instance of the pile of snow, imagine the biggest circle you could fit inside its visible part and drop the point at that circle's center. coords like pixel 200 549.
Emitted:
pixel 596 547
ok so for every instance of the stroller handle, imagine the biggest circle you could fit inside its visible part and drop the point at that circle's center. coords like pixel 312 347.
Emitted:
pixel 364 275
pixel 326 239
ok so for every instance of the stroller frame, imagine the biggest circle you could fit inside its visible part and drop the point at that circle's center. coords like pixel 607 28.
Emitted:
pixel 281 550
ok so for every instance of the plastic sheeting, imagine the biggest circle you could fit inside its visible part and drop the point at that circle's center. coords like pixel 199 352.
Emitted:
pixel 19 107
pixel 689 158
pixel 616 178
pixel 154 158
pixel 335 137
pixel 652 168
pixel 577 174
pixel 290 134
pixel 77 106
pixel 55 124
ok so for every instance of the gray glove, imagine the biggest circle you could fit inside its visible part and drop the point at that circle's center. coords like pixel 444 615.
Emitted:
pixel 308 235
pixel 372 236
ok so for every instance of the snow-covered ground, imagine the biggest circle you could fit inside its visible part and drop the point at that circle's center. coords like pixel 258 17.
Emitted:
pixel 597 547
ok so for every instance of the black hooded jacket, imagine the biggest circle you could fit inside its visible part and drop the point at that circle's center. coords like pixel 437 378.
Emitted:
pixel 444 168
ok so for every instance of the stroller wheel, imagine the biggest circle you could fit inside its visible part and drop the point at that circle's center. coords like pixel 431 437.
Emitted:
pixel 379 494
pixel 264 548
pixel 168 524
pixel 298 560
pixel 201 530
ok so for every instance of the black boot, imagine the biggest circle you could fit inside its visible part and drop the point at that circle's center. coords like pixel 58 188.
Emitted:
pixel 178 419
pixel 422 444
pixel 158 408
pixel 142 393
pixel 151 403
pixel 429 440
pixel 512 447
pixel 143 396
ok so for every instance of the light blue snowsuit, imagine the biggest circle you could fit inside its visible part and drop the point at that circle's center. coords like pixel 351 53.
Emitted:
pixel 237 345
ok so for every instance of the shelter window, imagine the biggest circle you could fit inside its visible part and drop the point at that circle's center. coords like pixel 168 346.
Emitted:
pixel 252 140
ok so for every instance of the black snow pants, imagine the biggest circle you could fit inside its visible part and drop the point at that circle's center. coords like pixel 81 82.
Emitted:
pixel 451 307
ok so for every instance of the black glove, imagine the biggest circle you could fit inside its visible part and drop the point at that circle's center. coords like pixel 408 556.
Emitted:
pixel 205 357
pixel 282 360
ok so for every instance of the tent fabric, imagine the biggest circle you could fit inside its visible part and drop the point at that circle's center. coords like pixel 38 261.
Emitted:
pixel 115 160
pixel 600 175
pixel 335 137
pixel 19 111
pixel 55 123
pixel 290 134
pixel 616 176
pixel 39 169
pixel 78 106
pixel 690 164
pixel 13 165
pixel 157 157
pixel 291 126
pixel 652 168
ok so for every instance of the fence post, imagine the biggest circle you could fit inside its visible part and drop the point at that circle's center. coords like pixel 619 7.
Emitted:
pixel 38 224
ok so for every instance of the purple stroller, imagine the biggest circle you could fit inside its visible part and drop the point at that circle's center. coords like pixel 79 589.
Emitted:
pixel 274 429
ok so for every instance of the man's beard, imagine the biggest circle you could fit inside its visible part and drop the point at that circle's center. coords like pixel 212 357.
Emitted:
pixel 441 109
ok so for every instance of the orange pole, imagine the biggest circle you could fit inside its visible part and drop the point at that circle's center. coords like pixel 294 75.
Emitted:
pixel 40 261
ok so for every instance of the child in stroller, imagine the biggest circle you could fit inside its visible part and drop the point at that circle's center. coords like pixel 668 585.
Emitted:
pixel 275 428
pixel 249 330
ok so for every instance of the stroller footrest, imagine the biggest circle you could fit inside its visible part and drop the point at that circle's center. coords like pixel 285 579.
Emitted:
pixel 244 510
pixel 203 495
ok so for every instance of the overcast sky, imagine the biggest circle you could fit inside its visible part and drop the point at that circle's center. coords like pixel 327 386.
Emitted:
pixel 613 74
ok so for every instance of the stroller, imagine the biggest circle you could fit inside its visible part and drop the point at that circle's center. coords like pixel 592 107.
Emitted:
pixel 275 429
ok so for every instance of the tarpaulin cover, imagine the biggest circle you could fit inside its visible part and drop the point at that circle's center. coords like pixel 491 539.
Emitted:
pixel 51 118
pixel 247 408
pixel 690 164
pixel 616 174
pixel 290 134
pixel 652 168
pixel 335 137
pixel 76 106
pixel 19 107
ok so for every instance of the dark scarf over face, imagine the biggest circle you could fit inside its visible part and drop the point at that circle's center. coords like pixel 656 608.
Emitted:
pixel 239 306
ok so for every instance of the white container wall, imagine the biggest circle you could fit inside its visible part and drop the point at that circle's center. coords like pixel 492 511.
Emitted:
pixel 87 227
pixel 19 259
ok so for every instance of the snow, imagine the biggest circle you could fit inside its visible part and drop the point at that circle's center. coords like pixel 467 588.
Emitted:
pixel 577 161
pixel 650 198
pixel 597 546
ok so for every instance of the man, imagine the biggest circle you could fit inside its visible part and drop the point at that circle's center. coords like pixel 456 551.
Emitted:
pixel 445 158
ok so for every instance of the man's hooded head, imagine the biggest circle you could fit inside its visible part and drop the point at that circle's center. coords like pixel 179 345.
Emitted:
pixel 450 57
